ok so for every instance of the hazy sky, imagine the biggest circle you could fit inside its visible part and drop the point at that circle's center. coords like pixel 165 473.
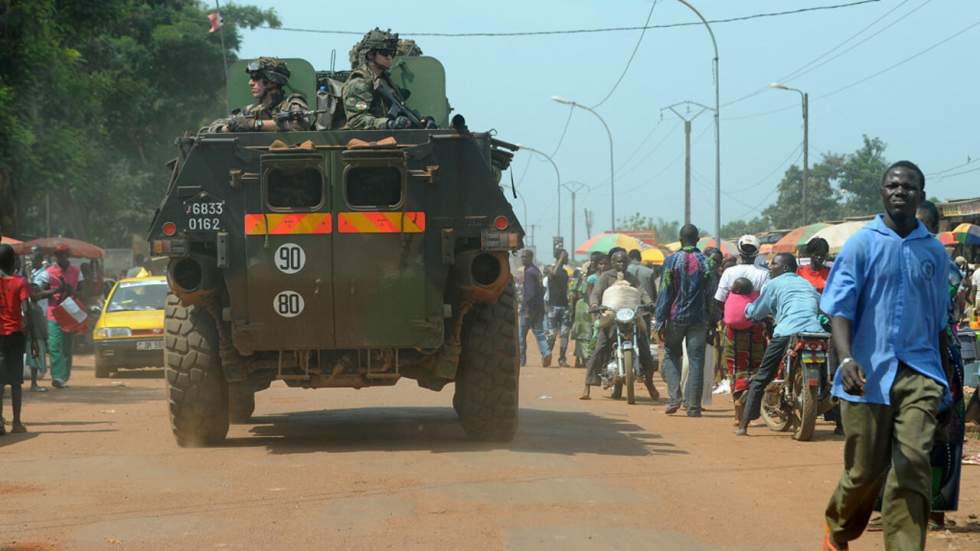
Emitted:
pixel 924 110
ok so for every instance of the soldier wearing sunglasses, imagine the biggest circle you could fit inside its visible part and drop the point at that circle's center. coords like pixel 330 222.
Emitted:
pixel 267 76
pixel 364 106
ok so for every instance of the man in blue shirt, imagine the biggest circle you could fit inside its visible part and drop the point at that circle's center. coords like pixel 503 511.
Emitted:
pixel 681 317
pixel 888 300
pixel 794 304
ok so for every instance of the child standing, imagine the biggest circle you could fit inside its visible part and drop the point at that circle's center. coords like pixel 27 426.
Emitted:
pixel 14 292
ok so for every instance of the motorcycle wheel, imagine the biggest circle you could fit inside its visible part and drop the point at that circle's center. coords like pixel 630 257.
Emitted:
pixel 628 368
pixel 773 414
pixel 617 392
pixel 805 408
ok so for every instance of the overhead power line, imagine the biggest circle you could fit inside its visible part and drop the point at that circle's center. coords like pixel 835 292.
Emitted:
pixel 794 72
pixel 969 161
pixel 866 78
pixel 586 30
pixel 632 55
pixel 794 155
pixel 902 62
pixel 953 175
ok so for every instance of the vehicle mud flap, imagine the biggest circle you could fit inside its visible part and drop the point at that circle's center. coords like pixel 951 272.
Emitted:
pixel 447 360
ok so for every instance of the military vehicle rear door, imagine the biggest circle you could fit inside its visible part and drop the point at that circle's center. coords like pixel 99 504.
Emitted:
pixel 382 296
pixel 288 226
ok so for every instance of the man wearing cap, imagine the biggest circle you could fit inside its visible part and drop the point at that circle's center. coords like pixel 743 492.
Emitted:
pixel 744 348
pixel 58 282
pixel 267 77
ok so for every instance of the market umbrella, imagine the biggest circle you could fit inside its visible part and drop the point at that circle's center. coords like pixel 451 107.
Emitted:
pixel 964 234
pixel 838 234
pixel 797 238
pixel 7 240
pixel 727 247
pixel 605 241
pixel 653 255
pixel 76 248
pixel 673 246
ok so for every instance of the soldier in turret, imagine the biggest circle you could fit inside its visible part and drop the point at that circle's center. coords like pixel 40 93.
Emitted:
pixel 267 77
pixel 371 58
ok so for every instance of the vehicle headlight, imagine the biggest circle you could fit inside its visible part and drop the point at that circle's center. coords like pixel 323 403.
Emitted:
pixel 625 315
pixel 113 332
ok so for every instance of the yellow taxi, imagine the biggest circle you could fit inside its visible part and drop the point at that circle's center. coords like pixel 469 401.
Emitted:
pixel 129 333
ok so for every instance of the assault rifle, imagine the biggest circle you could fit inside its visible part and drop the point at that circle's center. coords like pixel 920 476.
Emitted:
pixel 399 109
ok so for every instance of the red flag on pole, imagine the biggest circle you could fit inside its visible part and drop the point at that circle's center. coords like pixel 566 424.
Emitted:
pixel 215 19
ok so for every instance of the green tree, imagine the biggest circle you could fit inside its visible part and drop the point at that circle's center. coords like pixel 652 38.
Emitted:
pixel 822 200
pixel 738 228
pixel 92 94
pixel 666 231
pixel 859 178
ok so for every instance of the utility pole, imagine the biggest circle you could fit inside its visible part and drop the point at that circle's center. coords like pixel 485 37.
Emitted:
pixel 588 224
pixel 687 118
pixel 573 188
pixel 806 151
pixel 805 99
pixel 533 247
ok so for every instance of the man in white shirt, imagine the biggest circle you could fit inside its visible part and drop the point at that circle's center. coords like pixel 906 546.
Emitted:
pixel 744 348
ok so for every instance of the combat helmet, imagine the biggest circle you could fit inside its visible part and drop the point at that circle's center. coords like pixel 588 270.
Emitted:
pixel 272 69
pixel 375 39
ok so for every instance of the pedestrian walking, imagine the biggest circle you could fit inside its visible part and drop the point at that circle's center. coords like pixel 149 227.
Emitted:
pixel 37 321
pixel 14 294
pixel 559 314
pixel 532 310
pixel 58 282
pixel 681 319
pixel 889 304
pixel 744 348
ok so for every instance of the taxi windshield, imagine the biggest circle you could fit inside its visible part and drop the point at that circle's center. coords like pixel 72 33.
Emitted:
pixel 148 295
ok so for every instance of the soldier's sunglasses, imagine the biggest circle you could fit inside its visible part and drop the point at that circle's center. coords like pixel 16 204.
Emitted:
pixel 387 53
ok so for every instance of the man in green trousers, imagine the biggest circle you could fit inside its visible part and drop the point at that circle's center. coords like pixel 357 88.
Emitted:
pixel 887 299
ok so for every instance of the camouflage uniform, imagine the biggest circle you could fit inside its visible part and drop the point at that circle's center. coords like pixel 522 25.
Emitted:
pixel 274 103
pixel 365 109
pixel 275 71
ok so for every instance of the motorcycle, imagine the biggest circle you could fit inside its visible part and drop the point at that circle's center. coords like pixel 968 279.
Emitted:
pixel 623 367
pixel 801 390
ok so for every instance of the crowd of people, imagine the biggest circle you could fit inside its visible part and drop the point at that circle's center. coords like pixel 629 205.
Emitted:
pixel 33 337
pixel 893 301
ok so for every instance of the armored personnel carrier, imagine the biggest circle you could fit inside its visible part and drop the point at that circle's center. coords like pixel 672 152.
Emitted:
pixel 339 258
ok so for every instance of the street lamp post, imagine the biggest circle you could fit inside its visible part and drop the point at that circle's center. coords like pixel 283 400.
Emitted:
pixel 717 76
pixel 805 98
pixel 557 176
pixel 612 170
pixel 574 187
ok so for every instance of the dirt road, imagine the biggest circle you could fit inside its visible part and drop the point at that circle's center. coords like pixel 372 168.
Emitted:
pixel 390 469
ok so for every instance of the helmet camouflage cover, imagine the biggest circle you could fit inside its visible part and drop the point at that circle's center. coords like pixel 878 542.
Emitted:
pixel 375 39
pixel 272 69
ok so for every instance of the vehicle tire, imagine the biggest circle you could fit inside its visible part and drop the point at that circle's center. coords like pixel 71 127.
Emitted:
pixel 102 371
pixel 773 414
pixel 196 390
pixel 241 401
pixel 806 404
pixel 487 382
pixel 630 376
pixel 617 393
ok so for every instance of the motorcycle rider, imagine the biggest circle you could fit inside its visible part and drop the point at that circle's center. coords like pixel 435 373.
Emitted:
pixel 795 305
pixel 619 260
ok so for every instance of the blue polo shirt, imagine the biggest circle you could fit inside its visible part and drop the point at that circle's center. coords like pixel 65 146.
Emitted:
pixel 792 301
pixel 894 291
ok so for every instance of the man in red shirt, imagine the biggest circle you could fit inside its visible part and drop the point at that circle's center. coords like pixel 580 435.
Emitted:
pixel 816 273
pixel 14 292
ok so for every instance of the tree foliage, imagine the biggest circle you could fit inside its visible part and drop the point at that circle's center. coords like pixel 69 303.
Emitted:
pixel 92 95
pixel 839 186
pixel 665 230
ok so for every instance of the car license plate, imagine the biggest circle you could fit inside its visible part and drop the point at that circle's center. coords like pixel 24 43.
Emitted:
pixel 149 345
